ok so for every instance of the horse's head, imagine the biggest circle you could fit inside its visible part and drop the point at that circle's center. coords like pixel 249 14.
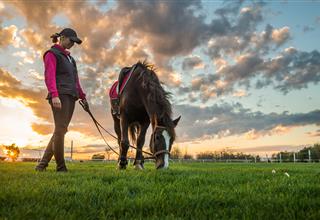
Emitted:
pixel 161 142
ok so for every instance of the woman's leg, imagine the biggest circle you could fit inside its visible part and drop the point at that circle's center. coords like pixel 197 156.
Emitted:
pixel 62 119
pixel 46 156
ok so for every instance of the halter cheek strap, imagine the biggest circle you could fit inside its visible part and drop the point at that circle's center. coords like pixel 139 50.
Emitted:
pixel 161 152
pixel 159 126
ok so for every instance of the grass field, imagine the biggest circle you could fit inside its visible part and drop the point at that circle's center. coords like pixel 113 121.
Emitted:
pixel 185 191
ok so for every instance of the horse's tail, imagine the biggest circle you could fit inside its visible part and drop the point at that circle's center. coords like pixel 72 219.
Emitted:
pixel 134 131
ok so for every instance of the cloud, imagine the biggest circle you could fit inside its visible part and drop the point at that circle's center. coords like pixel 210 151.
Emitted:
pixel 25 56
pixel 234 119
pixel 7 35
pixel 246 67
pixel 290 70
pixel 314 134
pixel 308 28
pixel 279 36
pixel 43 129
pixel 162 31
pixel 191 63
pixel 208 85
pixel 33 38
pixel 165 33
pixel 240 93
pixel 1 6
pixel 4 14
pixel 10 87
pixel 174 80
pixel 293 69
pixel 155 30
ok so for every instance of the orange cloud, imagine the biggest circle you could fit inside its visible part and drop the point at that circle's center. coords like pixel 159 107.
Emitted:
pixel 239 93
pixel 277 130
pixel 43 129
pixel 7 35
pixel 33 38
pixel 280 35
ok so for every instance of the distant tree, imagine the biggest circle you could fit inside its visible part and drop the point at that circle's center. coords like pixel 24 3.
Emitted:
pixel 315 151
pixel 98 157
pixel 302 155
pixel 285 156
pixel 187 156
pixel 205 155
pixel 225 155
pixel 12 151
pixel 175 153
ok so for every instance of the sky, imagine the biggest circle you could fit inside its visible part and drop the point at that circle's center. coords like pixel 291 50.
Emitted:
pixel 244 75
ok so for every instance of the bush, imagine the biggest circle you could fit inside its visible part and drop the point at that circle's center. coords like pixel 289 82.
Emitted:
pixel 98 157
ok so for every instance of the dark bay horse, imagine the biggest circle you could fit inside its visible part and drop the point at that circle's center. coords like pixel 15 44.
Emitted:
pixel 142 102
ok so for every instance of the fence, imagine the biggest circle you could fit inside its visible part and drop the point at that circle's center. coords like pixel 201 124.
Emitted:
pixel 295 158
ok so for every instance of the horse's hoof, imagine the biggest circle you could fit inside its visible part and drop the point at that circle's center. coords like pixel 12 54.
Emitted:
pixel 138 167
pixel 122 165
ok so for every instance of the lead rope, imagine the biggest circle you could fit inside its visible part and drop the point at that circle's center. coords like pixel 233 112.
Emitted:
pixel 97 124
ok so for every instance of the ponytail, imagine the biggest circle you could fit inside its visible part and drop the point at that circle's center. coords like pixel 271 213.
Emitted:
pixel 55 37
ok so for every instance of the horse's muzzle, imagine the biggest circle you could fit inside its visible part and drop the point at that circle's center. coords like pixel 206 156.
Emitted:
pixel 162 161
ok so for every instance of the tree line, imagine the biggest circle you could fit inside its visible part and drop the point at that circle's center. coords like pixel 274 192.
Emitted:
pixel 213 155
pixel 302 155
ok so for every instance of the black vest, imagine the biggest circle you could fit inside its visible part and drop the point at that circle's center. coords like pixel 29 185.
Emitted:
pixel 66 74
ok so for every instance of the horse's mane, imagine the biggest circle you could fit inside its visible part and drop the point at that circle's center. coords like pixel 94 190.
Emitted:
pixel 156 95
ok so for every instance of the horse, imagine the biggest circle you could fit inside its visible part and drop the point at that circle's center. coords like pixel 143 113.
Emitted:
pixel 144 101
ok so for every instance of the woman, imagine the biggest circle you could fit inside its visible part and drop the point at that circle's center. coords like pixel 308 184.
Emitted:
pixel 62 81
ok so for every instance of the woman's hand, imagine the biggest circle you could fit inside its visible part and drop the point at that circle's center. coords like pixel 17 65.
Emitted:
pixel 84 105
pixel 56 102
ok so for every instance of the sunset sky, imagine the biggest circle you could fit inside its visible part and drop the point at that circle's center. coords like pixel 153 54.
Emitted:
pixel 243 75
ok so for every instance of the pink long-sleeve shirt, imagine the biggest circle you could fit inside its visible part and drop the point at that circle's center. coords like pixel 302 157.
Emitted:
pixel 50 65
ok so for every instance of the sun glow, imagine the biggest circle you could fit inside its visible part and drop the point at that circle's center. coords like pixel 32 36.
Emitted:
pixel 16 121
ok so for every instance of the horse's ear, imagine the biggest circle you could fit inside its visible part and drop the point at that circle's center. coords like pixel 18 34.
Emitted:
pixel 175 121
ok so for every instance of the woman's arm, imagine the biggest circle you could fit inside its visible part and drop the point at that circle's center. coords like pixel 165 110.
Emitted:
pixel 50 65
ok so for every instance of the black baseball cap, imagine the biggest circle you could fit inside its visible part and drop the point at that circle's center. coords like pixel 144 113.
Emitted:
pixel 71 34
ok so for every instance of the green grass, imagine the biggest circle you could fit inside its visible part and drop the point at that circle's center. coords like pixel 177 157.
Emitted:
pixel 185 191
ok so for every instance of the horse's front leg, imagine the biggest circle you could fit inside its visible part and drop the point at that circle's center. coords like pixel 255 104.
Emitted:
pixel 124 143
pixel 139 160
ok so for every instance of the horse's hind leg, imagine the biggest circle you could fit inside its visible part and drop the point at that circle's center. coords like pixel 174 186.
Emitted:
pixel 139 160
pixel 124 144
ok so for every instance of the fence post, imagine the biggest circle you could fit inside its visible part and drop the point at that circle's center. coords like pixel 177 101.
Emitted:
pixel 280 160
pixel 294 157
pixel 309 152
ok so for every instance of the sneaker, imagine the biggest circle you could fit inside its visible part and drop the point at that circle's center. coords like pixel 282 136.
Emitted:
pixel 62 169
pixel 40 169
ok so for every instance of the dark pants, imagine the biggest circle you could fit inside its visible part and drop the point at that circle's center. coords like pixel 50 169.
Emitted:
pixel 62 118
